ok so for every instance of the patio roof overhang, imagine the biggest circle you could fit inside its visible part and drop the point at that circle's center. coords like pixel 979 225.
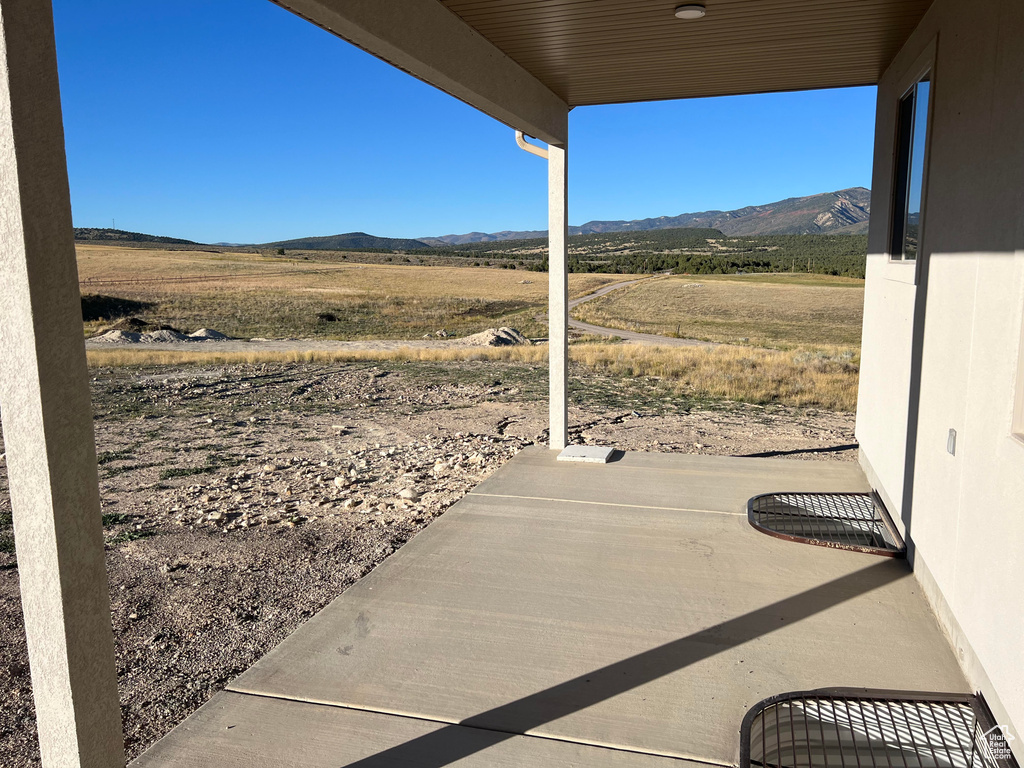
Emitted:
pixel 609 51
pixel 523 61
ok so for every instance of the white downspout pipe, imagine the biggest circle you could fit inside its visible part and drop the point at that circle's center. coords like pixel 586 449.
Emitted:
pixel 533 149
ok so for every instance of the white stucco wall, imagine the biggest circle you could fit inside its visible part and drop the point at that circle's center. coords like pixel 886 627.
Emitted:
pixel 966 513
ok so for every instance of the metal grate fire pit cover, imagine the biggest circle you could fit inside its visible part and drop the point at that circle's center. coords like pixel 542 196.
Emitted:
pixel 861 728
pixel 857 521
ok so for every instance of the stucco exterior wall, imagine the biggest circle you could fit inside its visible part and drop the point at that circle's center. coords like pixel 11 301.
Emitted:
pixel 965 514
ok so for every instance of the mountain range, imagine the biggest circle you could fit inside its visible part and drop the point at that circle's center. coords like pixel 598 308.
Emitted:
pixel 843 212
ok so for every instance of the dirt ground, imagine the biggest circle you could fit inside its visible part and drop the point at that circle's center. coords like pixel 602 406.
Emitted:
pixel 239 500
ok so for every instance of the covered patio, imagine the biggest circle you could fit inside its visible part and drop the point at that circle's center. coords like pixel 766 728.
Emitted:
pixel 564 614
pixel 578 614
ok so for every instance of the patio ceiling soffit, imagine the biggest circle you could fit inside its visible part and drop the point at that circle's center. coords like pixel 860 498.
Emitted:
pixel 428 41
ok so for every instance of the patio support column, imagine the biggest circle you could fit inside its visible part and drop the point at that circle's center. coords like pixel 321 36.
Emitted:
pixel 47 416
pixel 558 296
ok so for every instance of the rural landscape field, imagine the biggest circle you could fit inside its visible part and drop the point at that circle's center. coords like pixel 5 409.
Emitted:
pixel 249 295
pixel 247 482
pixel 787 338
pixel 769 310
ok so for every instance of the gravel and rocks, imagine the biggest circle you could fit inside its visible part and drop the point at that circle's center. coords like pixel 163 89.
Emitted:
pixel 492 337
pixel 161 336
pixel 239 500
pixel 209 335
pixel 496 337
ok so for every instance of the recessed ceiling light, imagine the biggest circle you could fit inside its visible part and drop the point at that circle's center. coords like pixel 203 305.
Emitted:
pixel 690 11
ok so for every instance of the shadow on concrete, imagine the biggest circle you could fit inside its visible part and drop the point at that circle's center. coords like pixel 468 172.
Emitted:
pixel 454 742
pixel 827 449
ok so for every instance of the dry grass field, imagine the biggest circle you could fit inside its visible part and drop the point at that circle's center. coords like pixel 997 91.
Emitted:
pixel 821 378
pixel 795 338
pixel 257 296
pixel 779 311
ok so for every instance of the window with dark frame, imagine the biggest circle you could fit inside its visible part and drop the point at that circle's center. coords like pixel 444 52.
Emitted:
pixel 908 186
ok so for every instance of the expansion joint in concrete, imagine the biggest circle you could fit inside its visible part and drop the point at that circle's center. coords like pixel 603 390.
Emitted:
pixel 607 504
pixel 510 733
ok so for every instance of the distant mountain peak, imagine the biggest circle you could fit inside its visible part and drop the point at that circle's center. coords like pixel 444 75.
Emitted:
pixel 353 240
pixel 845 211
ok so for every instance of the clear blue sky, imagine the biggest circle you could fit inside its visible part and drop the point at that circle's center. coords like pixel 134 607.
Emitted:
pixel 235 121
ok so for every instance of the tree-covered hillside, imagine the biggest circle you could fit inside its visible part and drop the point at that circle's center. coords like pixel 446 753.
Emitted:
pixel 696 251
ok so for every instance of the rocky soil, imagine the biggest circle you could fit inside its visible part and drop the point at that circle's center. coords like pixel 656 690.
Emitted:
pixel 238 501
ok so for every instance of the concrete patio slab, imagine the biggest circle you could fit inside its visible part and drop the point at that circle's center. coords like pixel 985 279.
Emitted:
pixel 253 731
pixel 669 481
pixel 642 628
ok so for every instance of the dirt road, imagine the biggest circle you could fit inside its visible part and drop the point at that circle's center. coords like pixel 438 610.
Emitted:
pixel 630 336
